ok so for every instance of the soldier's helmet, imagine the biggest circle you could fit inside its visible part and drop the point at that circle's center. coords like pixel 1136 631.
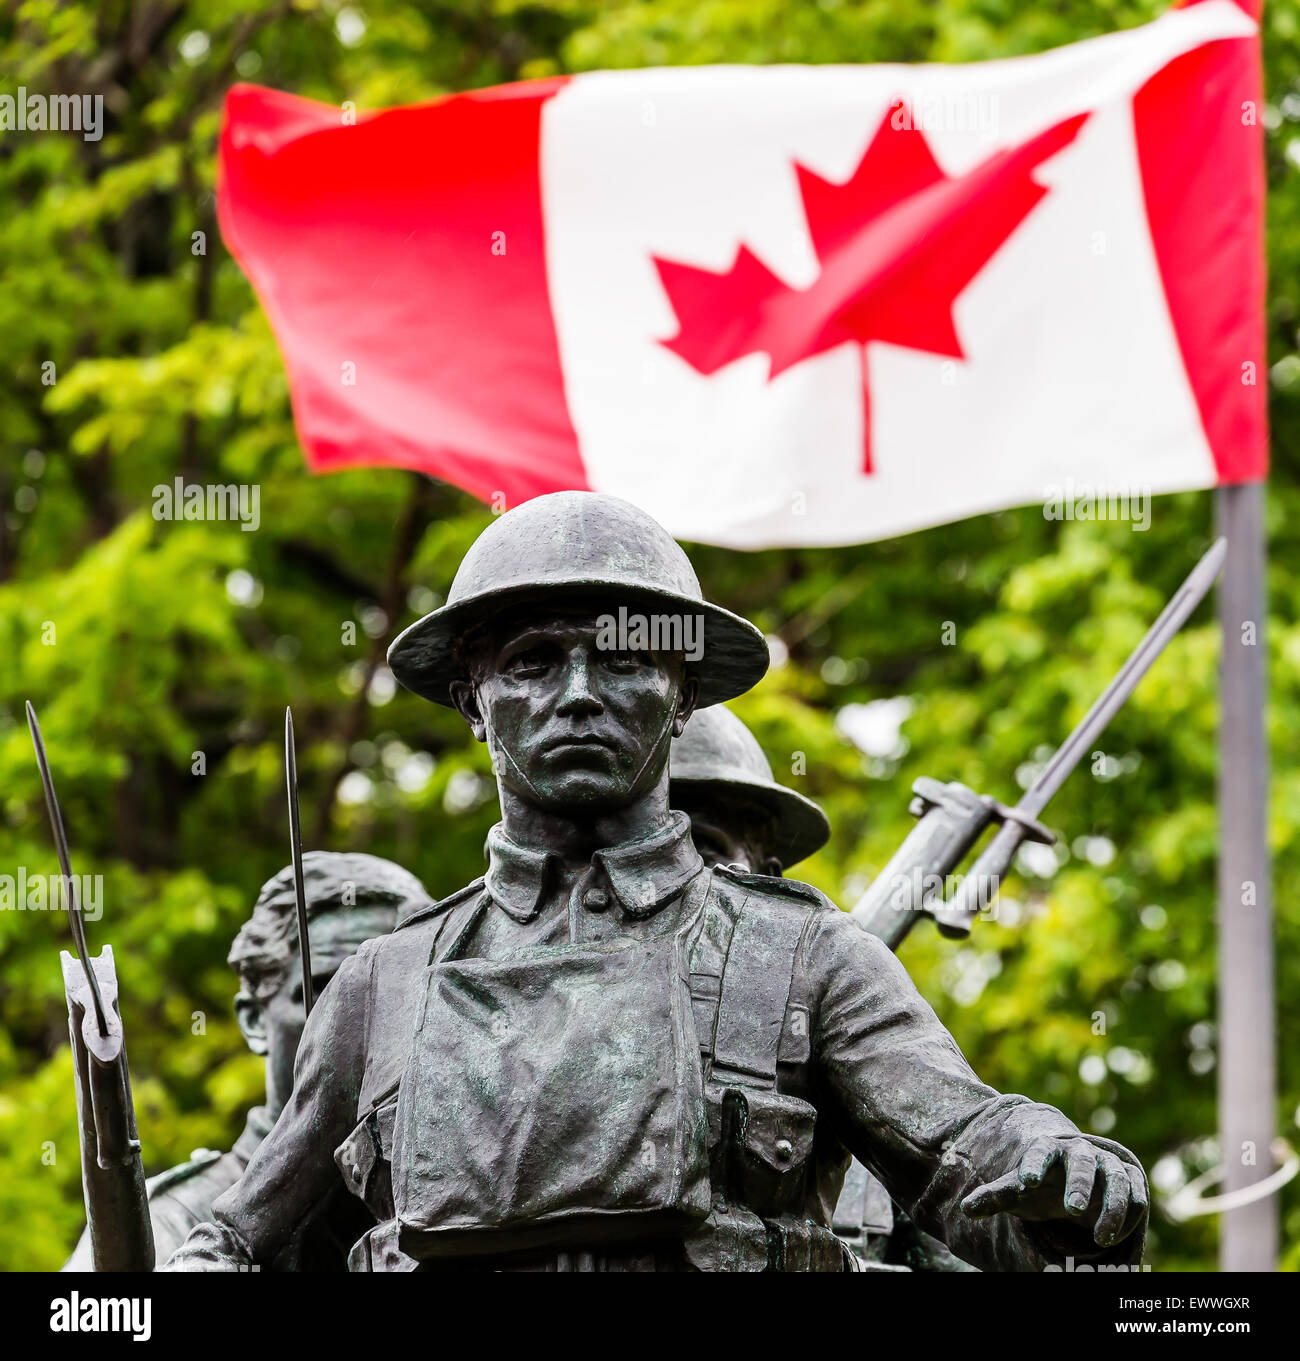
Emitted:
pixel 335 879
pixel 569 547
pixel 718 758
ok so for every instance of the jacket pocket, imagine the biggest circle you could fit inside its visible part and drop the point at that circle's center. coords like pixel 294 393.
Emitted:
pixel 762 1142
pixel 364 1159
pixel 355 1158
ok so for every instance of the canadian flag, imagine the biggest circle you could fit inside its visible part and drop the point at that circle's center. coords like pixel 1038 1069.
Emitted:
pixel 780 305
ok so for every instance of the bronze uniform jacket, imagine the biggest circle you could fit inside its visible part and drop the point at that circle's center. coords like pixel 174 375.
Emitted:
pixel 857 1041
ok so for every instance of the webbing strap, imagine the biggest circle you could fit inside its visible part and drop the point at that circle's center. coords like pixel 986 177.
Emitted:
pixel 454 933
pixel 756 981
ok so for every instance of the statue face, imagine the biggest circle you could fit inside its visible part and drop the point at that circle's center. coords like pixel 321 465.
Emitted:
pixel 272 1023
pixel 283 1017
pixel 574 726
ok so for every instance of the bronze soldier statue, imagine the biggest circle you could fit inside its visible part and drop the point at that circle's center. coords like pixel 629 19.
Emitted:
pixel 604 1055
pixel 740 816
pixel 350 899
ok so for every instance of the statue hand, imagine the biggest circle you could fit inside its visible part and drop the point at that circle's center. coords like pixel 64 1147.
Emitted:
pixel 1067 1179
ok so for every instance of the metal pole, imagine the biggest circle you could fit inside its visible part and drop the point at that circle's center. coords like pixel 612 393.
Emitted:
pixel 1247 1039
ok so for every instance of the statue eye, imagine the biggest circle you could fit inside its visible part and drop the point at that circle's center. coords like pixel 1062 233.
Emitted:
pixel 531 662
pixel 624 662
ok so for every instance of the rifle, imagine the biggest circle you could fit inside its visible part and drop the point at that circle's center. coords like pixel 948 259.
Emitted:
pixel 952 818
pixel 112 1169
pixel 295 853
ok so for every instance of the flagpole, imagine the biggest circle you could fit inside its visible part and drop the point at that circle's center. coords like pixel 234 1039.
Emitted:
pixel 1247 1038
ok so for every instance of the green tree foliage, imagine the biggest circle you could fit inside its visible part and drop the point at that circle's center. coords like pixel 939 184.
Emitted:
pixel 161 654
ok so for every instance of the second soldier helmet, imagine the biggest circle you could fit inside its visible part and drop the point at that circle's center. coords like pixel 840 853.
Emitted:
pixel 718 755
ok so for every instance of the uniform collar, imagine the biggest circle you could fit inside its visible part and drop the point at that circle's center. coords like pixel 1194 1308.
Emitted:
pixel 642 876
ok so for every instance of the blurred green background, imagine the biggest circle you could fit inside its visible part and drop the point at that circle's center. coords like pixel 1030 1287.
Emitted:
pixel 174 638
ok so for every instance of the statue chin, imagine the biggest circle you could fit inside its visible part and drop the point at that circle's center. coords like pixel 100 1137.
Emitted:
pixel 584 791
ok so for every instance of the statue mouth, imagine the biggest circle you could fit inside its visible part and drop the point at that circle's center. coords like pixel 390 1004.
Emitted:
pixel 576 740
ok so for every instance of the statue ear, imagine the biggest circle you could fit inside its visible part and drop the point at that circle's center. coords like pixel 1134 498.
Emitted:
pixel 770 865
pixel 688 696
pixel 251 1015
pixel 464 695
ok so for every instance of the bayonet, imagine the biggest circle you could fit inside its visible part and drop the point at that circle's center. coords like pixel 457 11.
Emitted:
pixel 75 919
pixel 295 851
pixel 112 1169
pixel 953 818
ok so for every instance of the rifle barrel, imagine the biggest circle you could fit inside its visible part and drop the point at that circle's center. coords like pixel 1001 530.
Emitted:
pixel 954 918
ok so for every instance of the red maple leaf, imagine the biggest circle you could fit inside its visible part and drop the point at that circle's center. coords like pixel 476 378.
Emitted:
pixel 897 242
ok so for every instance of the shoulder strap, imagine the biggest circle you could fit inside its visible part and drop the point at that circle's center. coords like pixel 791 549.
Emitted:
pixel 756 981
pixel 428 910
pixel 456 928
pixel 776 885
pixel 199 1159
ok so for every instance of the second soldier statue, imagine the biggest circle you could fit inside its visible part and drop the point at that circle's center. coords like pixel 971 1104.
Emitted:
pixel 605 1055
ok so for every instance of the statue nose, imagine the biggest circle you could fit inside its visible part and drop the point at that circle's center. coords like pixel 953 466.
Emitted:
pixel 580 695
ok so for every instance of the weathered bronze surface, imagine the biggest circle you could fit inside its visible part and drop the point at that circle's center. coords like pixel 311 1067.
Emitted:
pixel 576 546
pixel 741 816
pixel 605 1055
pixel 351 898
